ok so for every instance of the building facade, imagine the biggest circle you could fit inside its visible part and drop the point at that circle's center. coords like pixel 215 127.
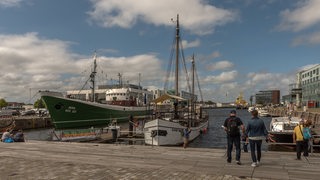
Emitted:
pixel 268 97
pixel 295 94
pixel 310 85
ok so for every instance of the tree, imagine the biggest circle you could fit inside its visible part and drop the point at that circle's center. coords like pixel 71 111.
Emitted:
pixel 39 104
pixel 3 103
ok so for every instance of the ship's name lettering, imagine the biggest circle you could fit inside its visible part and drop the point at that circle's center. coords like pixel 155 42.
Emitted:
pixel 71 109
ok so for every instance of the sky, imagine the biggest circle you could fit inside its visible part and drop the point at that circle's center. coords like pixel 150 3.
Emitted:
pixel 240 46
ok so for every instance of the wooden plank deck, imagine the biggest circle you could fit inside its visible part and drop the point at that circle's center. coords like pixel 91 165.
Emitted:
pixel 65 160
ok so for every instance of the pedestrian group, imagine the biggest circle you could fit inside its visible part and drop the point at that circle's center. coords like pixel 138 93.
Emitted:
pixel 10 136
pixel 255 133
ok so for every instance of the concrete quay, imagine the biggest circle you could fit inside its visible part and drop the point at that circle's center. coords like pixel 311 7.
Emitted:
pixel 65 160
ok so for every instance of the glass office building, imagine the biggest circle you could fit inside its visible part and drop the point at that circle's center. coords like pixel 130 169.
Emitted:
pixel 310 84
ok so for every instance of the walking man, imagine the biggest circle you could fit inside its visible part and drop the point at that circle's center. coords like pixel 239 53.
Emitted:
pixel 231 126
pixel 256 131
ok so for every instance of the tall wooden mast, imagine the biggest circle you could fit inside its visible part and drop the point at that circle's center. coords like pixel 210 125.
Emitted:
pixel 177 57
pixel 92 77
pixel 177 67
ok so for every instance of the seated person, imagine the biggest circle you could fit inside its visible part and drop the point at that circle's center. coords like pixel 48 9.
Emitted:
pixel 6 136
pixel 19 136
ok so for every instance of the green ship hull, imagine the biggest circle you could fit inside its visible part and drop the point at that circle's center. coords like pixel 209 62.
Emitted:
pixel 72 113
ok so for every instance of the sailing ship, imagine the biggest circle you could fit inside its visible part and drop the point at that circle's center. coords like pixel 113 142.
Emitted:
pixel 172 115
pixel 120 102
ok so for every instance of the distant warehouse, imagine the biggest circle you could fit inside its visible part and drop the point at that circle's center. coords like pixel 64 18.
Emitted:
pixel 268 97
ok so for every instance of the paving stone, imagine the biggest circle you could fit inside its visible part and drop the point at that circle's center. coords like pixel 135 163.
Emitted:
pixel 64 160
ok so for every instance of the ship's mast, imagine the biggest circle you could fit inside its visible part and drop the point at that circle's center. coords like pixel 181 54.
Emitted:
pixel 177 68
pixel 92 77
pixel 192 92
pixel 177 57
pixel 120 79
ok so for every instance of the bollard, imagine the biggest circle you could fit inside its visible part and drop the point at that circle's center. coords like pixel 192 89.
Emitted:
pixel 114 134
pixel 130 125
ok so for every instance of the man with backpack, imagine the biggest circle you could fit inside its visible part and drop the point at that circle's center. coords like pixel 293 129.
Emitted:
pixel 231 126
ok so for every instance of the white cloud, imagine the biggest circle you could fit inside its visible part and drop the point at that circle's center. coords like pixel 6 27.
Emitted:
pixel 191 44
pixel 30 54
pixel 10 3
pixel 222 78
pixel 221 65
pixel 311 39
pixel 215 54
pixel 146 64
pixel 221 89
pixel 29 62
pixel 196 16
pixel 225 92
pixel 269 81
pixel 306 15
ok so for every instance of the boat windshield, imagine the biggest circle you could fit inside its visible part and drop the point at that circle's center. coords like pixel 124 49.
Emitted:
pixel 289 126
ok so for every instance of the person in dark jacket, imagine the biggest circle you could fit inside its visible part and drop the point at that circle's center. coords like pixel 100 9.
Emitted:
pixel 19 136
pixel 233 136
pixel 256 131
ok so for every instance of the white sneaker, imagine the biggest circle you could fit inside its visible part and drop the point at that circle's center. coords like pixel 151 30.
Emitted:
pixel 254 164
pixel 258 163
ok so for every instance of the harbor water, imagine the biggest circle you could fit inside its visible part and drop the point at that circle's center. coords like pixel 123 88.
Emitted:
pixel 215 137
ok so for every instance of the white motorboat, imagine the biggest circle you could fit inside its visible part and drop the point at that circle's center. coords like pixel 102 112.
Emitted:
pixel 281 129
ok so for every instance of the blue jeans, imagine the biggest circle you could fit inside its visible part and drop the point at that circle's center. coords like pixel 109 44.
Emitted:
pixel 236 141
pixel 253 145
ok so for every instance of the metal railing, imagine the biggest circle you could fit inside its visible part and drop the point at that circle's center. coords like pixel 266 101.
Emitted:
pixel 313 145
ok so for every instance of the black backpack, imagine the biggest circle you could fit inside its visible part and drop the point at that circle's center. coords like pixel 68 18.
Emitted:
pixel 233 129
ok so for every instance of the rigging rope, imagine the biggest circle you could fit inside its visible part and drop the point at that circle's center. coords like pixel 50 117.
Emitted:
pixel 185 67
pixel 168 75
pixel 195 69
pixel 170 64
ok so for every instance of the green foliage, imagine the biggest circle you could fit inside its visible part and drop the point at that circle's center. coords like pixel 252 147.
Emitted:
pixel 39 104
pixel 3 103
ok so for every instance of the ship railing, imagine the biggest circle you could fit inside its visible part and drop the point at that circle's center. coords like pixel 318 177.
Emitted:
pixel 312 146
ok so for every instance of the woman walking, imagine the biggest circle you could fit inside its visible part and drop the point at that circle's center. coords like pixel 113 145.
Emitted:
pixel 256 132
